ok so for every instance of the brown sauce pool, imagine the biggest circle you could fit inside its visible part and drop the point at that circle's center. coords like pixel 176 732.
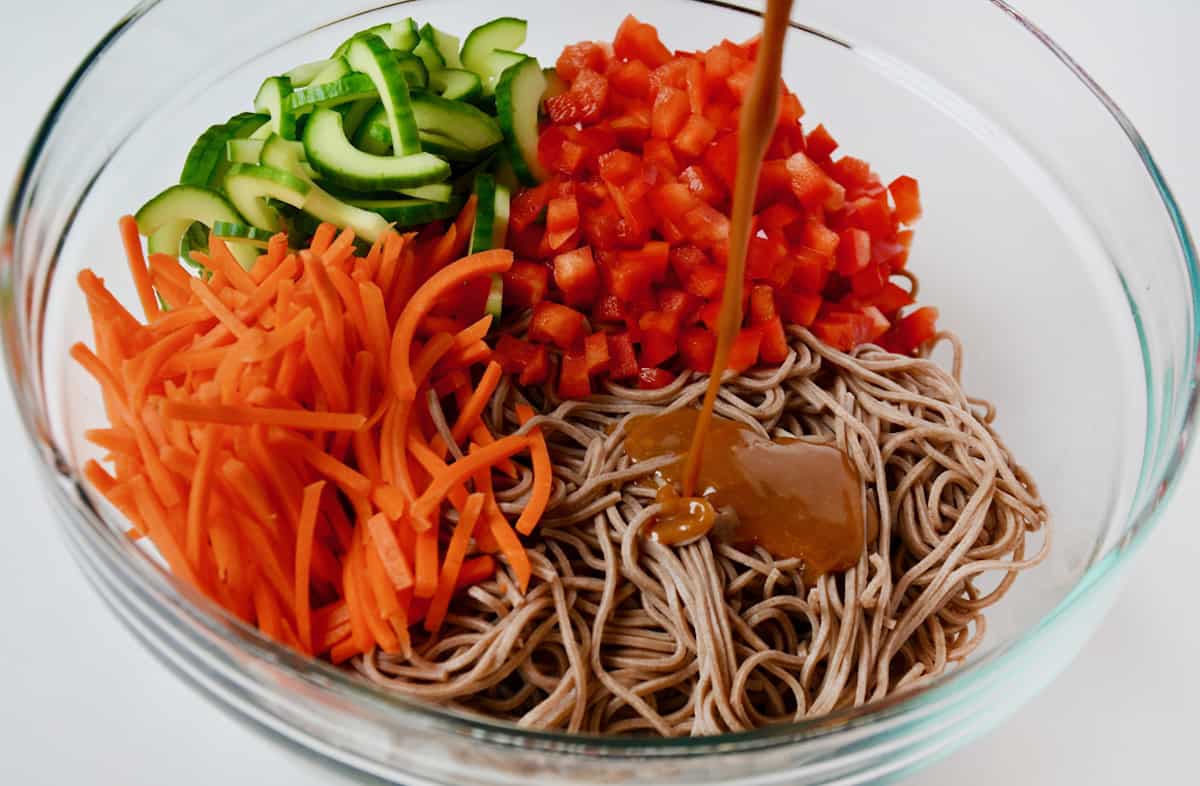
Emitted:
pixel 794 498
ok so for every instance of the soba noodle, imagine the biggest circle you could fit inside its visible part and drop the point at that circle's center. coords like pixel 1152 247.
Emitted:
pixel 619 634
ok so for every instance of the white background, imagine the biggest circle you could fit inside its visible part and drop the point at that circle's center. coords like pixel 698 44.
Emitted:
pixel 80 702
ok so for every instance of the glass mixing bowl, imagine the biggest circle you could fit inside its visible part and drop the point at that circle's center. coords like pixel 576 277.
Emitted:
pixel 1050 242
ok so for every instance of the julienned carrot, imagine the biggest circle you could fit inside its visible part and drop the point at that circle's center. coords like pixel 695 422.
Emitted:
pixel 306 531
pixel 543 475
pixel 240 415
pixel 137 267
pixel 456 553
pixel 466 269
pixel 232 410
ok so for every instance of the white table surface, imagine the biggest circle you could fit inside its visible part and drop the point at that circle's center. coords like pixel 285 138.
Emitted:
pixel 81 702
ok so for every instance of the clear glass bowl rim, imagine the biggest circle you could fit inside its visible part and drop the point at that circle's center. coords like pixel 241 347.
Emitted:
pixel 159 589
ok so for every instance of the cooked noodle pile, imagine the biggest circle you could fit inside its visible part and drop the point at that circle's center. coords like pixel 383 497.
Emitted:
pixel 618 634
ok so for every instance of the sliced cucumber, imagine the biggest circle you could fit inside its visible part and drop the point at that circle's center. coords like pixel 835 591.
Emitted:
pixel 405 35
pixel 483 235
pixel 413 69
pixel 373 136
pixel 384 31
pixel 170 238
pixel 249 185
pixel 240 233
pixel 372 57
pixel 167 217
pixel 462 124
pixel 494 67
pixel 354 114
pixel 409 212
pixel 518 95
pixel 334 70
pixel 503 203
pixel 428 52
pixel 445 44
pixel 320 204
pixel 304 74
pixel 495 299
pixel 456 84
pixel 205 162
pixel 504 33
pixel 437 192
pixel 243 151
pixel 330 153
pixel 349 88
pixel 272 99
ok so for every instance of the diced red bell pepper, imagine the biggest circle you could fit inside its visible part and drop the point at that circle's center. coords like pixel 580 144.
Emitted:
pixel 655 257
pixel 639 41
pixel 851 172
pixel 762 256
pixel 820 144
pixel 525 284
pixel 673 201
pixel 695 135
pixel 595 350
pixel 576 276
pixel 601 226
pixel 777 217
pixel 512 353
pixel 811 271
pixel 774 347
pixel 854 251
pixel 559 152
pixel 697 85
pixel 618 167
pixel 706 281
pixel 709 315
pixel 812 186
pixel 562 221
pixel 708 228
pixel 677 303
pixel 910 332
pixel 527 205
pixel 697 346
pixel 718 63
pixel 818 237
pixel 584 102
pixel 654 378
pixel 553 323
pixel 762 304
pixel 877 322
pixel 841 331
pixel 671 109
pixel 596 140
pixel 891 298
pixel 659 153
pixel 631 78
pixel 670 74
pixel 685 259
pixel 868 281
pixel 907 196
pixel 577 57
pixel 622 362
pixel 609 309
pixel 573 380
pixel 704 184
pixel 628 279
pixel 657 346
pixel 870 214
pixel 722 157
pixel 799 308
pixel 739 81
pixel 790 110
pixel 744 352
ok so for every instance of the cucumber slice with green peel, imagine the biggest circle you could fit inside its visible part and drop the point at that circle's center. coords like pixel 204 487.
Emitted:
pixel 354 114
pixel 384 31
pixel 272 99
pixel 241 233
pixel 349 88
pixel 304 74
pixel 504 33
pixel 518 96
pixel 243 151
pixel 437 192
pixel 319 203
pixel 494 306
pixel 170 238
pixel 167 217
pixel 503 203
pixel 372 57
pixel 249 185
pixel 555 84
pixel 494 67
pixel 331 153
pixel 404 35
pixel 456 84
pixel 445 44
pixel 205 162
pixel 483 235
pixel 409 212
pixel 429 54
pixel 414 70
pixel 466 126
pixel 334 70
pixel 373 136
